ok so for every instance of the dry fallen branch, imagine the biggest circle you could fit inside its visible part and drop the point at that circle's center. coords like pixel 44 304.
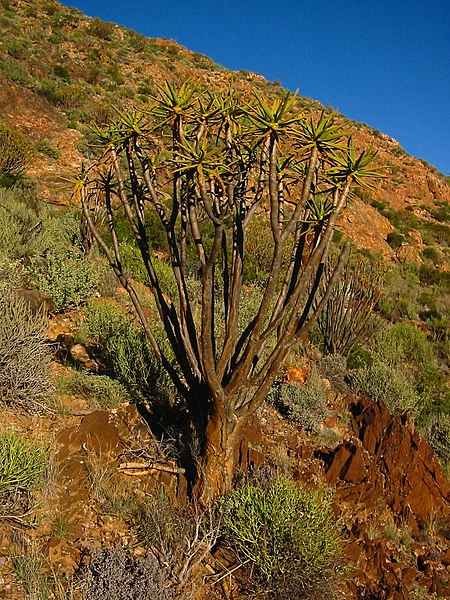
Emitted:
pixel 146 468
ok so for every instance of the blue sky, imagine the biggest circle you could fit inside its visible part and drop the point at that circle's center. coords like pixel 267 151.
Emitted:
pixel 385 63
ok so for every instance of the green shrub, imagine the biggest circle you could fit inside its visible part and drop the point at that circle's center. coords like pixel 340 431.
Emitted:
pixel 401 288
pixel 133 362
pixel 404 343
pixel 392 384
pixel 23 463
pixel 13 70
pixel 437 233
pixel 100 391
pixel 50 245
pixel 15 151
pixel 11 274
pixel 127 352
pixel 289 536
pixel 259 247
pixel 306 404
pixel 431 254
pixel 442 213
pixel 395 239
pixel 45 147
pixel 17 225
pixel 61 72
pixel 70 279
pixel 16 48
pixel 398 151
pixel 24 356
pixel 103 321
pixel 101 29
pixel 133 263
pixel 429 275
pixel 57 264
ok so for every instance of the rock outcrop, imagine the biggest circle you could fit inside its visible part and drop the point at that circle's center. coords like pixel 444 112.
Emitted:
pixel 397 501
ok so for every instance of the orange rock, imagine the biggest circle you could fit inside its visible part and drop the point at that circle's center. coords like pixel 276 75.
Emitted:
pixel 292 374
pixel 408 253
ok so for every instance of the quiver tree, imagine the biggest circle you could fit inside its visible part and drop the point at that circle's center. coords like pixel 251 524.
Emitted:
pixel 206 164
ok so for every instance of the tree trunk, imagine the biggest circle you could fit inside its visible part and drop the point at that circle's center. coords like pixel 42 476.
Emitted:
pixel 219 460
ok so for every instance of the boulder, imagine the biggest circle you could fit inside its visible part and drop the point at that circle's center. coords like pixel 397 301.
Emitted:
pixel 81 357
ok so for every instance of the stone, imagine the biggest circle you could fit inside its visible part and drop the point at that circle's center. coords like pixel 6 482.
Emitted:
pixel 80 356
pixel 98 433
pixel 37 301
pixel 408 253
pixel 292 374
pixel 416 239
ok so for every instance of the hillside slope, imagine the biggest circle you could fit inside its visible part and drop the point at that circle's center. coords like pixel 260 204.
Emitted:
pixel 63 71
pixel 369 427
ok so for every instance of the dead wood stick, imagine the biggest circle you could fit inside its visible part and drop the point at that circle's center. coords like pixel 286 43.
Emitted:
pixel 130 466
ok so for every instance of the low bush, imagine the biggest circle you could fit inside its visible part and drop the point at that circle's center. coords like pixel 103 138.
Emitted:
pixel 68 277
pixel 11 274
pixel 12 69
pixel 401 288
pixel 115 574
pixel 24 356
pixel 127 352
pixel 306 404
pixel 431 254
pixel 100 391
pixel 103 320
pixel 23 464
pixel 18 225
pixel 334 368
pixel 288 534
pixel 47 149
pixel 49 244
pixel 101 29
pixel 404 343
pixel 15 151
pixel 392 384
pixel 395 239
pixel 58 264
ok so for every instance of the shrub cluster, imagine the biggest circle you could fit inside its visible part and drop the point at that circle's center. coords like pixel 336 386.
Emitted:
pixel 49 246
pixel 402 371
pixel 15 151
pixel 99 390
pixel 24 356
pixel 127 352
pixel 306 404
pixel 381 381
pixel 22 462
pixel 288 534
pixel 115 574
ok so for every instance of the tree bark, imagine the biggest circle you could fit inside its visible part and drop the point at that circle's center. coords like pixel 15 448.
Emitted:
pixel 220 456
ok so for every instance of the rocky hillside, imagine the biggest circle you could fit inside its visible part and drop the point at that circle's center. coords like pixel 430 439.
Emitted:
pixel 94 467
pixel 61 71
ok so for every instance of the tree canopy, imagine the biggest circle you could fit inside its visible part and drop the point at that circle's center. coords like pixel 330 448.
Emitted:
pixel 209 164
